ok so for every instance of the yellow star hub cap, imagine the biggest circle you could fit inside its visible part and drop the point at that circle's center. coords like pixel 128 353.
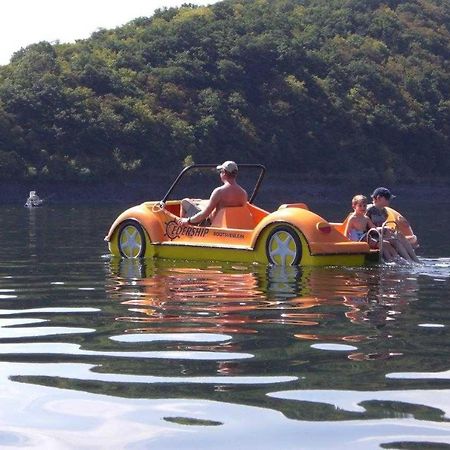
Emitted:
pixel 283 247
pixel 131 242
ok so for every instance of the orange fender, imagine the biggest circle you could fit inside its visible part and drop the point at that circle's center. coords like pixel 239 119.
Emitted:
pixel 146 217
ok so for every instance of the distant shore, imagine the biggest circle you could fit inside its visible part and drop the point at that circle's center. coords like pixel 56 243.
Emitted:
pixel 276 189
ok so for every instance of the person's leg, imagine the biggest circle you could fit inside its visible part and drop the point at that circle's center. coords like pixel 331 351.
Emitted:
pixel 401 249
pixel 387 257
pixel 408 247
pixel 389 252
pixel 188 208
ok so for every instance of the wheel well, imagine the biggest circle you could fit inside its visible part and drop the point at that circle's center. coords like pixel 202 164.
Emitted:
pixel 138 226
pixel 121 225
pixel 261 240
pixel 267 228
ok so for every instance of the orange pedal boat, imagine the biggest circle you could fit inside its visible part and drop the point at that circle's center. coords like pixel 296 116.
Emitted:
pixel 290 235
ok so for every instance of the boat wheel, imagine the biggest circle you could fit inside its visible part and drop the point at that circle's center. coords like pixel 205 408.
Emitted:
pixel 131 239
pixel 283 246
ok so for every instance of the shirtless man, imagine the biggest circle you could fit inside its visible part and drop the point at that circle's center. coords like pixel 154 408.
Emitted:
pixel 229 194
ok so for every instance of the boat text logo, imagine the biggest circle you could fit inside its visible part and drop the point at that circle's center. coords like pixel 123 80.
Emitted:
pixel 174 230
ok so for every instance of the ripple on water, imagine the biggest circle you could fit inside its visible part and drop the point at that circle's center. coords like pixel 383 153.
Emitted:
pixel 24 332
pixel 10 439
pixel 437 269
pixel 54 310
pixel 188 337
pixel 334 347
pixel 192 421
pixel 52 348
pixel 80 371
pixel 223 333
pixel 352 401
pixel 445 375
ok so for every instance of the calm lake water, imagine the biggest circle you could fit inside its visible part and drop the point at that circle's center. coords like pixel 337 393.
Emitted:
pixel 101 353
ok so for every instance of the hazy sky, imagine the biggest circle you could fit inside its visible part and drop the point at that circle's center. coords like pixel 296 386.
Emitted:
pixel 25 22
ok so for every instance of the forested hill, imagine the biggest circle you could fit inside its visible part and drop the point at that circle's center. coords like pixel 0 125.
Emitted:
pixel 318 87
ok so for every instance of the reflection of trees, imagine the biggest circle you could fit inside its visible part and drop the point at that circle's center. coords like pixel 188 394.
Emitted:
pixel 275 316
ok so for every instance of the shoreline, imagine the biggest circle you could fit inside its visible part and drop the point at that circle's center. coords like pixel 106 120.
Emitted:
pixel 278 188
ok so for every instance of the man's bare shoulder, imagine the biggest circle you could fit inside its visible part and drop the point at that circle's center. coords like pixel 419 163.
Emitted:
pixel 217 191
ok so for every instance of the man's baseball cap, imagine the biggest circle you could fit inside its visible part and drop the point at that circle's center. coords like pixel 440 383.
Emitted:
pixel 383 192
pixel 228 166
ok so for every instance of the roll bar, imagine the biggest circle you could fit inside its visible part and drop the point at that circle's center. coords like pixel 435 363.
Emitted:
pixel 261 168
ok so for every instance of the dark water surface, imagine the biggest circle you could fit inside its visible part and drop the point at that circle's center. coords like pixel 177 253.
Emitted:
pixel 101 353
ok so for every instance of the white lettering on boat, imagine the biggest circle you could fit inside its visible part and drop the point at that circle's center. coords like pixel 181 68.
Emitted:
pixel 228 234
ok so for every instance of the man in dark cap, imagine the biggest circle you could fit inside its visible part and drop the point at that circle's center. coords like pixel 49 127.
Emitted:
pixel 378 214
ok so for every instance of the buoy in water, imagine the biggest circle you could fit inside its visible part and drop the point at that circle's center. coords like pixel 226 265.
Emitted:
pixel 33 200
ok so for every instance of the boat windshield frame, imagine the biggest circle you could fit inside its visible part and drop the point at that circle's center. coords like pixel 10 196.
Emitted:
pixel 260 167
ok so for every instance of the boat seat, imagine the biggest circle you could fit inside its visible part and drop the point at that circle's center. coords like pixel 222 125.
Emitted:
pixel 341 227
pixel 234 217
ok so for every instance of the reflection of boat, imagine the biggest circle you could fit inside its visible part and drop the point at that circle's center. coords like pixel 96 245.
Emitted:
pixel 167 297
pixel 33 200
pixel 171 298
pixel 291 235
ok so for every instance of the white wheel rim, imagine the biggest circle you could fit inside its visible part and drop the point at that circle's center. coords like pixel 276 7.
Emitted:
pixel 131 242
pixel 282 248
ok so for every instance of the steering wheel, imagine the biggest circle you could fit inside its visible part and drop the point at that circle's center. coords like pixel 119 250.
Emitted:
pixel 161 207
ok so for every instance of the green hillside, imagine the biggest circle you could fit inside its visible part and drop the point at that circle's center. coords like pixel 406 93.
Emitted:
pixel 317 87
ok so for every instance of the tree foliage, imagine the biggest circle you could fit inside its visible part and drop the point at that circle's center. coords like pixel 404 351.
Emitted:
pixel 312 86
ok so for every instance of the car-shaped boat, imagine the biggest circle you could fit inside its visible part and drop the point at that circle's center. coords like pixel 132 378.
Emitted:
pixel 290 235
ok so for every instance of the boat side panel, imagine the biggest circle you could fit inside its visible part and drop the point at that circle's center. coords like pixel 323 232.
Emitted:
pixel 319 243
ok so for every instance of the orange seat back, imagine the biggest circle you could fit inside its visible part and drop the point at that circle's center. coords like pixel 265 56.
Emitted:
pixel 234 217
pixel 342 227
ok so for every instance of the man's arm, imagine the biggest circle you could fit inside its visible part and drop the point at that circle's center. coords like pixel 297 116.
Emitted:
pixel 204 213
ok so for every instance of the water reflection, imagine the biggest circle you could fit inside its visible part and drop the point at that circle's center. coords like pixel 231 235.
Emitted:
pixel 338 327
pixel 167 349
pixel 306 303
